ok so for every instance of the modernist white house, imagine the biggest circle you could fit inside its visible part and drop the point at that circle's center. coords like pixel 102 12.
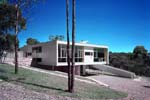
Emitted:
pixel 54 53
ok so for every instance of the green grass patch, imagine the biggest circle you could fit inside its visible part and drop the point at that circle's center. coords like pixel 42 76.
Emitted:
pixel 51 84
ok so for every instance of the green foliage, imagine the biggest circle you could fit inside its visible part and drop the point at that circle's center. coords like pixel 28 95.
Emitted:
pixel 137 62
pixel 31 41
pixel 8 19
pixel 56 37
pixel 140 52
pixel 7 43
pixel 3 1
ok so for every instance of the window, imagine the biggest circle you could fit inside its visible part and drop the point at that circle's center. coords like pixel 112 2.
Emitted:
pixel 78 54
pixel 98 55
pixel 62 53
pixel 29 54
pixel 88 53
pixel 37 49
pixel 38 59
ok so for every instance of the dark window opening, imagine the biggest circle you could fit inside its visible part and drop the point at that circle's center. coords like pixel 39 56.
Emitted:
pixel 62 60
pixel 88 53
pixel 29 54
pixel 78 59
pixel 99 55
pixel 38 59
pixel 37 49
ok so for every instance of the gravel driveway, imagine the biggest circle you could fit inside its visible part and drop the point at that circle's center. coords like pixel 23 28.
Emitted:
pixel 137 89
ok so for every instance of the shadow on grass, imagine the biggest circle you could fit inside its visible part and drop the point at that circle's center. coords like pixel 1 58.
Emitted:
pixel 5 78
pixel 146 86
pixel 20 80
pixel 39 85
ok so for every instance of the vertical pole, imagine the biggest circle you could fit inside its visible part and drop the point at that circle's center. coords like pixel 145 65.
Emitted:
pixel 16 41
pixel 73 46
pixel 68 46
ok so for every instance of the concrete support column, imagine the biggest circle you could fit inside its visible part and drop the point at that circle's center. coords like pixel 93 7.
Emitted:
pixel 107 57
pixel 105 54
pixel 77 70
pixel 82 69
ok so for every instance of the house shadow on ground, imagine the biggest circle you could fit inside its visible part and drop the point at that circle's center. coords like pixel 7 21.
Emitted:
pixel 22 81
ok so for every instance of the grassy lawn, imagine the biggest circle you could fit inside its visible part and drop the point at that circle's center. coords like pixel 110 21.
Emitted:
pixel 55 85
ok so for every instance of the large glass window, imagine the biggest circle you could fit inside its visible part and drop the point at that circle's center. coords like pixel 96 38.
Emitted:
pixel 98 55
pixel 62 53
pixel 78 54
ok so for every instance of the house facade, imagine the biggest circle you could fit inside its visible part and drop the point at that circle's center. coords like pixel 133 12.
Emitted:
pixel 54 53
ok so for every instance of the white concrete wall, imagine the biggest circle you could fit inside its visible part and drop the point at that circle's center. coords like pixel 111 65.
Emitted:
pixel 48 53
pixel 88 59
pixel 26 49
pixel 50 57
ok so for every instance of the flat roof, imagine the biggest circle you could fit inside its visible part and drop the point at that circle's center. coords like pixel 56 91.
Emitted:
pixel 83 44
pixel 65 42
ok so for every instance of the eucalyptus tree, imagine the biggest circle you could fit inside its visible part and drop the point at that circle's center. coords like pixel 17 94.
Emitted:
pixel 7 26
pixel 21 6
pixel 68 45
pixel 73 44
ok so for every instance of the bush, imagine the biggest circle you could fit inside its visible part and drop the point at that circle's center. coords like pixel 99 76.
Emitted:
pixel 126 61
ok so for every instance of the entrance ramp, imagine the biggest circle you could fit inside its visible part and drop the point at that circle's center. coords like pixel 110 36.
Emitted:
pixel 115 71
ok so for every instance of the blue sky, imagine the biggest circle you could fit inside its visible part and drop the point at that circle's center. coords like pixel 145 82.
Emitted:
pixel 120 24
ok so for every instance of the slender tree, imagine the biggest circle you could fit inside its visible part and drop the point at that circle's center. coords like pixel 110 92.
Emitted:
pixel 68 46
pixel 9 14
pixel 73 45
pixel 21 5
pixel 16 33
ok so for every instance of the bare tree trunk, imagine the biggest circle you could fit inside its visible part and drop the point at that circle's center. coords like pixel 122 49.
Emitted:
pixel 16 56
pixel 16 41
pixel 68 46
pixel 73 46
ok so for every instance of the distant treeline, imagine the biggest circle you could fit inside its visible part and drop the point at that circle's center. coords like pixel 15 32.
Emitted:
pixel 138 61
